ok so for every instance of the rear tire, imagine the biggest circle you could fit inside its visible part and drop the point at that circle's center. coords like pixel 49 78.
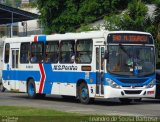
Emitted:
pixel 125 100
pixel 31 90
pixel 84 94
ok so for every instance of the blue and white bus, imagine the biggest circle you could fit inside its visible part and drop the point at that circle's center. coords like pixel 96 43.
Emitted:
pixel 86 65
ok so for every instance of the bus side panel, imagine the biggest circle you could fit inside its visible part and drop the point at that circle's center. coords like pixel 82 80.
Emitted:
pixel 65 82
pixel 19 82
pixel 49 78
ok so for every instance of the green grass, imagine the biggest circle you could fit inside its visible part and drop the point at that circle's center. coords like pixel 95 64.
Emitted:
pixel 30 114
pixel 30 111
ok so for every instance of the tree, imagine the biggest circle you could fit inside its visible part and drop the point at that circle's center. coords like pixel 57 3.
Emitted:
pixel 157 32
pixel 121 4
pixel 134 18
pixel 59 16
pixel 157 19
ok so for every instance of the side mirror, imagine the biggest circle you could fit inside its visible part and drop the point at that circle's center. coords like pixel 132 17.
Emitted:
pixel 106 54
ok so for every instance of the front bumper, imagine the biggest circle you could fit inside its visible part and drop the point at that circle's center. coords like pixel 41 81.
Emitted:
pixel 129 92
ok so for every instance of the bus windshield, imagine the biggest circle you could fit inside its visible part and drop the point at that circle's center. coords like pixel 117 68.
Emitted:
pixel 131 60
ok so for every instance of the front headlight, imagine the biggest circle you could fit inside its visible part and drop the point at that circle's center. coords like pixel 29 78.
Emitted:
pixel 151 84
pixel 112 83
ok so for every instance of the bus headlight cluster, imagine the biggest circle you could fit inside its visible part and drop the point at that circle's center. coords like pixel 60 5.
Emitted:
pixel 151 84
pixel 112 83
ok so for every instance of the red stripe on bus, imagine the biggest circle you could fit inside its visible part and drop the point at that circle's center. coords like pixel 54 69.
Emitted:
pixel 42 78
pixel 35 39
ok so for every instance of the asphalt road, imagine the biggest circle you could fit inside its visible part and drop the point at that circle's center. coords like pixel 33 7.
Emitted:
pixel 148 107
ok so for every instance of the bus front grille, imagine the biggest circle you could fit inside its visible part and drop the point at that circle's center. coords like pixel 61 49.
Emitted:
pixel 133 81
pixel 132 91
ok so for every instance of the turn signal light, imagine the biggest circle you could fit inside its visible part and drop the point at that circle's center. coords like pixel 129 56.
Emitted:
pixel 150 92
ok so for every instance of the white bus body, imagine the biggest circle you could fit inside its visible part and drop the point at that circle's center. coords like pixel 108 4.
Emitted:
pixel 87 75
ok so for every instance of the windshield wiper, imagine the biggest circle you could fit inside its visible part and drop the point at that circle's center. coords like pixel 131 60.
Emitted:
pixel 123 49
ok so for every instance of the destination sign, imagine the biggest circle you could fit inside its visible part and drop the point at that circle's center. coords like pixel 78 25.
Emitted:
pixel 130 38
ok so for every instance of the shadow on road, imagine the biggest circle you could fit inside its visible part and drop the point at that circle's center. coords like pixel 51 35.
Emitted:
pixel 102 102
pixel 151 101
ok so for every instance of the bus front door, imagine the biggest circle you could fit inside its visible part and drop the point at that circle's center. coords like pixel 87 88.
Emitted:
pixel 99 70
pixel 14 66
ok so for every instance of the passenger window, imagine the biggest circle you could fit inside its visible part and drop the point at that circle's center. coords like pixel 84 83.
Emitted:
pixel 67 51
pixel 24 55
pixel 37 52
pixel 52 52
pixel 84 51
pixel 7 49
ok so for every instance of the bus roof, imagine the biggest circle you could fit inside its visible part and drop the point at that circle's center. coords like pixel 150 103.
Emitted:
pixel 69 36
pixel 87 35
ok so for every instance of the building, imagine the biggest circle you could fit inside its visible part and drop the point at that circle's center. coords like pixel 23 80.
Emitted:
pixel 9 18
pixel 18 24
pixel 30 27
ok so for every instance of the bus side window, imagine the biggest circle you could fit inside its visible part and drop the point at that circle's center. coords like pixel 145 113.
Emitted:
pixel 84 51
pixel 37 52
pixel 7 49
pixel 52 52
pixel 24 52
pixel 67 51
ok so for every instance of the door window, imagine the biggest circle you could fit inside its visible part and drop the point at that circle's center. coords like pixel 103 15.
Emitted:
pixel 15 58
pixel 6 57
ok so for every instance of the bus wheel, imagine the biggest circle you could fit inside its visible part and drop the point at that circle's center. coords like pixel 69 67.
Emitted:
pixel 31 89
pixel 2 89
pixel 84 94
pixel 125 100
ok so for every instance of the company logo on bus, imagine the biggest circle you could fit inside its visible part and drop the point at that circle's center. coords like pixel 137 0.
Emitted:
pixel 65 67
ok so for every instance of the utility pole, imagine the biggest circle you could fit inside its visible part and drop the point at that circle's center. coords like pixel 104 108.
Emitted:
pixel 11 31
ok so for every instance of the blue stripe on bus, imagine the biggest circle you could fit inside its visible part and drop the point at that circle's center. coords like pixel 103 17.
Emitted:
pixel 20 75
pixel 63 77
pixel 69 77
pixel 42 38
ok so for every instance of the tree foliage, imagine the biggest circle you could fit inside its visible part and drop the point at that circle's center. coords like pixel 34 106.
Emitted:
pixel 134 18
pixel 67 15
pixel 157 16
pixel 60 16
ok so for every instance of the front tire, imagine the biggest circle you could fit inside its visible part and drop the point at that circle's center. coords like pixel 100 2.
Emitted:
pixel 84 94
